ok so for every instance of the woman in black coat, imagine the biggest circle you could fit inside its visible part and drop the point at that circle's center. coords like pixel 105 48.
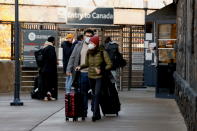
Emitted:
pixel 49 70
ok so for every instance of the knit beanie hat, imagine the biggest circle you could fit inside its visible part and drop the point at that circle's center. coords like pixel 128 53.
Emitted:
pixel 69 36
pixel 95 40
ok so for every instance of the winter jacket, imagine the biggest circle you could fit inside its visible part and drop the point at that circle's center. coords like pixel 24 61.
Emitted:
pixel 74 60
pixel 99 59
pixel 67 50
pixel 50 59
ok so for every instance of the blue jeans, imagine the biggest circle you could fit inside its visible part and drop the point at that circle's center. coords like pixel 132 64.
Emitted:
pixel 68 84
pixel 84 87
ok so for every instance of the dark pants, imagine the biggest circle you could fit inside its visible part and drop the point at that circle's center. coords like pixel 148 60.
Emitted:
pixel 95 85
pixel 84 87
pixel 49 83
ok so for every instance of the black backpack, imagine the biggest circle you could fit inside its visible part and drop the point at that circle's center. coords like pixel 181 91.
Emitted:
pixel 120 61
pixel 115 56
pixel 37 91
pixel 39 57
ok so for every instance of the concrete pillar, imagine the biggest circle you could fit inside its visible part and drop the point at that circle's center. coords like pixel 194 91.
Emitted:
pixel 6 76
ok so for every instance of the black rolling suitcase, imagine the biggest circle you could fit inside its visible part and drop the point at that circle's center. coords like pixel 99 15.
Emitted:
pixel 74 101
pixel 37 92
pixel 110 103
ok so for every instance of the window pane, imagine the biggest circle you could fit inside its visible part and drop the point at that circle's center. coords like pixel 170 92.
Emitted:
pixel 167 31
pixel 5 41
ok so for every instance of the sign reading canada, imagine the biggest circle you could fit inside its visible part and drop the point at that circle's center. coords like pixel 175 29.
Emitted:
pixel 90 15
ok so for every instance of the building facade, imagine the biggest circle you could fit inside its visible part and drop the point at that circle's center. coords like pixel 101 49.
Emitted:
pixel 186 70
pixel 70 16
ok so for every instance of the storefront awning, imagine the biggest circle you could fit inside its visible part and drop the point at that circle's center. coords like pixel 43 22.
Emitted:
pixel 166 13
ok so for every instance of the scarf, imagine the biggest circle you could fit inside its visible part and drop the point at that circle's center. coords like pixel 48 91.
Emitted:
pixel 47 44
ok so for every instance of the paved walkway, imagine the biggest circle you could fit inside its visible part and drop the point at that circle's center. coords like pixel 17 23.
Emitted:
pixel 140 112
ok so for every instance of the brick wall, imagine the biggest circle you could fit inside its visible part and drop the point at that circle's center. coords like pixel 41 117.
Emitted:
pixel 6 76
pixel 186 73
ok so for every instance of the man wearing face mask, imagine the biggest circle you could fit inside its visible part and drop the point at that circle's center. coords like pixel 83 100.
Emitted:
pixel 78 58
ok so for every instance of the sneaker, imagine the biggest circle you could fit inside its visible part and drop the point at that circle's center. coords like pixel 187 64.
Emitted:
pixel 45 99
pixel 93 119
pixel 96 118
pixel 48 94
pixel 51 98
pixel 85 114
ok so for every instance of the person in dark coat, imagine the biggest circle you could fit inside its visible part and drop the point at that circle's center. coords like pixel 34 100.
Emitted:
pixel 112 49
pixel 49 70
pixel 80 38
pixel 95 58
pixel 68 47
pixel 77 58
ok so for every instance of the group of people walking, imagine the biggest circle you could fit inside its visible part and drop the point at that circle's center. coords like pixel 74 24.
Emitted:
pixel 85 55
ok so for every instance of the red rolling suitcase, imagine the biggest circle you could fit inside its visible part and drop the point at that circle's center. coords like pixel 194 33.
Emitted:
pixel 74 100
pixel 73 106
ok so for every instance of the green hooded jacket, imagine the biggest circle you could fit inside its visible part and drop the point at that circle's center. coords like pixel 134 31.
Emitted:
pixel 97 60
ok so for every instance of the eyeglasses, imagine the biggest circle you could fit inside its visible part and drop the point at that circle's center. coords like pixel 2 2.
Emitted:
pixel 88 35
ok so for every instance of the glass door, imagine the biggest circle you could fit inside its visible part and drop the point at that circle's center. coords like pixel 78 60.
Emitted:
pixel 166 60
pixel 166 44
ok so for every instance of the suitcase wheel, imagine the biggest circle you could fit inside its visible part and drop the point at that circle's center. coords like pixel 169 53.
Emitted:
pixel 67 119
pixel 75 119
pixel 83 118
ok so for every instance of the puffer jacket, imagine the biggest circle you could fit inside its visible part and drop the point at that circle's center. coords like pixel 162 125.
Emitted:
pixel 99 59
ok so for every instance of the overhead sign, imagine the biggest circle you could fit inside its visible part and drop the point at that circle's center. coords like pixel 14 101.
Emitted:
pixel 77 15
pixel 37 2
pixel 38 13
pixel 129 16
pixel 34 40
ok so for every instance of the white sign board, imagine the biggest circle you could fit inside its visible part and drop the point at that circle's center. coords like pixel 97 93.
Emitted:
pixel 149 36
pixel 148 54
pixel 128 16
pixel 146 44
pixel 137 67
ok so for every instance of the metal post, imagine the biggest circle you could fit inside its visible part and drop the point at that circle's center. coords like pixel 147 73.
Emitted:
pixel 130 58
pixel 16 101
pixel 145 10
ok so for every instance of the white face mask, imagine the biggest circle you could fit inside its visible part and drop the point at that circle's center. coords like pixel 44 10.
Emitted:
pixel 91 46
pixel 87 39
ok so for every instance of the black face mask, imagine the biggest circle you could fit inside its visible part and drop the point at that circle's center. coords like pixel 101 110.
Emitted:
pixel 69 43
